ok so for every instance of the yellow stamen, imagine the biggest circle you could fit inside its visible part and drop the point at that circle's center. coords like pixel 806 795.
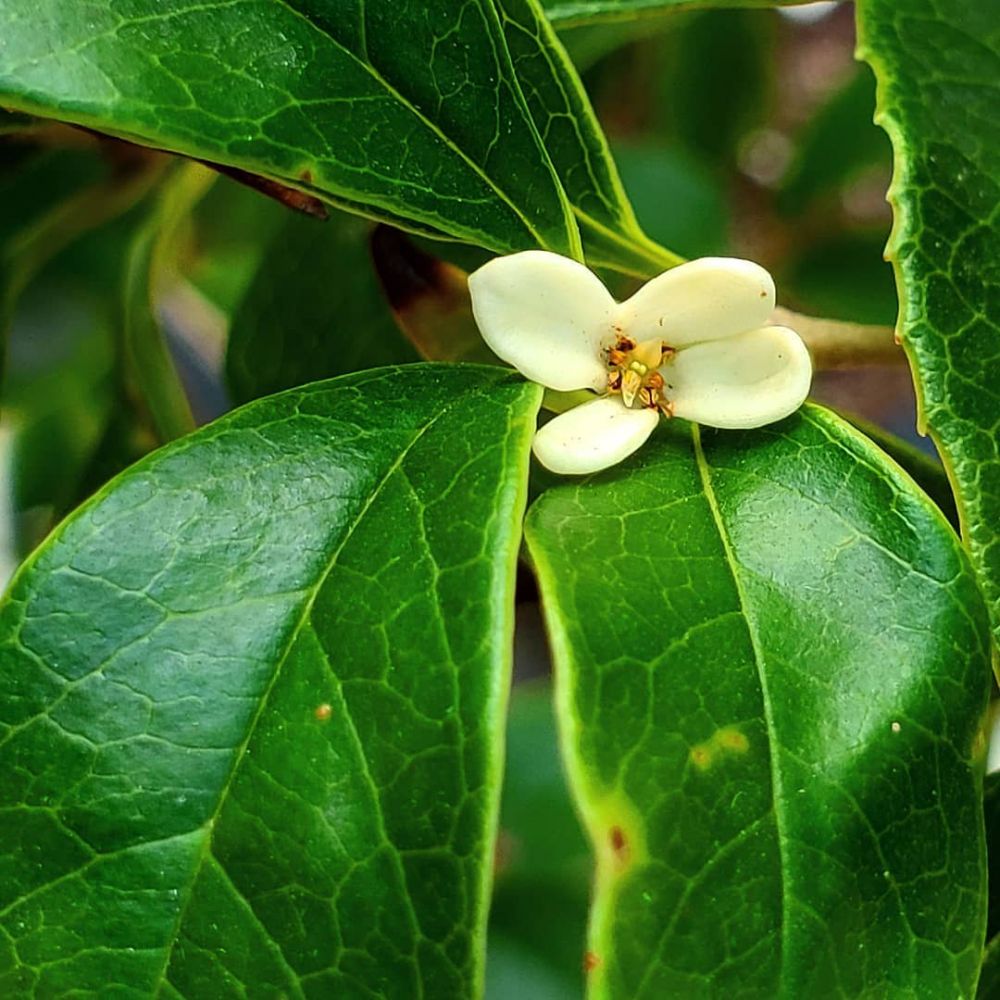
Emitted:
pixel 631 384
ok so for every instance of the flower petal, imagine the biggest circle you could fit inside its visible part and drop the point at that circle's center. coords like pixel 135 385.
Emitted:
pixel 707 299
pixel 547 315
pixel 747 381
pixel 593 436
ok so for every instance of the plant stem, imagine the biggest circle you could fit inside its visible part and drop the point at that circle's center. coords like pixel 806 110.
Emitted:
pixel 836 344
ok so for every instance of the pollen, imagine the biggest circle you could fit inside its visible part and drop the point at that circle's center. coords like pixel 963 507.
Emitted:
pixel 632 372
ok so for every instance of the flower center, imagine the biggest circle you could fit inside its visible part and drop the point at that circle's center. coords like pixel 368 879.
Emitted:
pixel 633 371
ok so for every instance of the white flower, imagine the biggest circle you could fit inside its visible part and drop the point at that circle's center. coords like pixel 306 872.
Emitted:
pixel 693 343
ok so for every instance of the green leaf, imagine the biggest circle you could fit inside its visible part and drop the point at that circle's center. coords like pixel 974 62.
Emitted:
pixel 49 200
pixel 722 63
pixel 410 113
pixel 149 266
pixel 313 310
pixel 772 664
pixel 937 67
pixel 569 12
pixel 230 230
pixel 253 701
pixel 925 471
pixel 843 276
pixel 989 980
pixel 991 808
pixel 679 202
pixel 572 135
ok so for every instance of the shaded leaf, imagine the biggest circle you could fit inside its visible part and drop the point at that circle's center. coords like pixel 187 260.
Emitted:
pixel 253 696
pixel 772 663
pixel 679 202
pixel 538 916
pixel 843 276
pixel 989 982
pixel 151 262
pixel 314 309
pixel 937 68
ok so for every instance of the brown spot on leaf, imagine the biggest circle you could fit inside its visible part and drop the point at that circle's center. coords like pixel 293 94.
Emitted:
pixel 323 712
pixel 619 845
pixel 591 960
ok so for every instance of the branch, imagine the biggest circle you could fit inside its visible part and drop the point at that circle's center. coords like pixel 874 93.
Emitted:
pixel 835 344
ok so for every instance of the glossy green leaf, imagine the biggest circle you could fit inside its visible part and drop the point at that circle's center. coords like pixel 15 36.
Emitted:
pixel 937 67
pixel 253 701
pixel 314 309
pixel 567 12
pixel 772 665
pixel 926 472
pixel 410 112
pixel 579 150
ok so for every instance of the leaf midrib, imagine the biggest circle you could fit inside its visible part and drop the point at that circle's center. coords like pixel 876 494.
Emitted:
pixel 777 785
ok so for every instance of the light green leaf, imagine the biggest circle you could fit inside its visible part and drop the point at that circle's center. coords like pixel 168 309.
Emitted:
pixel 411 113
pixel 568 12
pixel 938 72
pixel 772 665
pixel 253 702
pixel 314 309
pixel 150 264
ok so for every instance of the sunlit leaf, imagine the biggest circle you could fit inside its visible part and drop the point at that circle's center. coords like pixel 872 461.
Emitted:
pixel 772 664
pixel 253 698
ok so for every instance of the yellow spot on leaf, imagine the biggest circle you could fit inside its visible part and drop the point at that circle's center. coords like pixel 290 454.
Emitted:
pixel 727 740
